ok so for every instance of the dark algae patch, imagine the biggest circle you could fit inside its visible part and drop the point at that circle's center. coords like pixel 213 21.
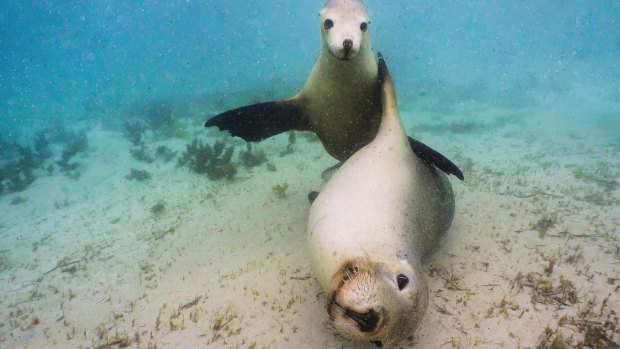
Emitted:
pixel 251 158
pixel 21 164
pixel 279 190
pixel 138 175
pixel 213 160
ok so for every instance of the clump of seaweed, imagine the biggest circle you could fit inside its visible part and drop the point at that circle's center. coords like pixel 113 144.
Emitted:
pixel 250 158
pixel 158 208
pixel 544 292
pixel 271 167
pixel 41 147
pixel 165 153
pixel 452 282
pixel 280 190
pixel 134 131
pixel 18 200
pixel 75 143
pixel 21 161
pixel 597 323
pixel 17 175
pixel 139 175
pixel 221 324
pixel 141 153
pixel 214 161
pixel 550 339
pixel 544 224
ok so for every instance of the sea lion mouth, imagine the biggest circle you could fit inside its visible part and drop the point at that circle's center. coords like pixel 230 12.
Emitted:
pixel 367 321
pixel 347 55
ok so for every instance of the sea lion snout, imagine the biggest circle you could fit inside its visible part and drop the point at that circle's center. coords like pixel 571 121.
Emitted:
pixel 347 44
pixel 377 301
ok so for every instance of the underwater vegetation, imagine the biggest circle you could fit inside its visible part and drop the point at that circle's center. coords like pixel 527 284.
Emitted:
pixel 165 153
pixel 134 131
pixel 279 190
pixel 214 161
pixel 250 158
pixel 18 174
pixel 18 200
pixel 75 143
pixel 19 162
pixel 42 147
pixel 138 175
pixel 594 322
pixel 156 116
pixel 143 154
pixel 158 208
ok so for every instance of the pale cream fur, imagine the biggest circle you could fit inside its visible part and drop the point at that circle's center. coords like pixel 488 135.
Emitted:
pixel 380 213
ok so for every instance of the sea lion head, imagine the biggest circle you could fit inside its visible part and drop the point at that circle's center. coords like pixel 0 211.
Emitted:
pixel 377 301
pixel 344 28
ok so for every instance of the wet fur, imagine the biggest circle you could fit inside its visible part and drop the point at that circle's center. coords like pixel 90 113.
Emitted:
pixel 382 211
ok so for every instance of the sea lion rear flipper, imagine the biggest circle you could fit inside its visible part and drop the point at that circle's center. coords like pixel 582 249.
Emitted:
pixel 433 157
pixel 259 121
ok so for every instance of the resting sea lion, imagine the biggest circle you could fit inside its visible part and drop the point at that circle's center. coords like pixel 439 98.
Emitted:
pixel 340 101
pixel 369 227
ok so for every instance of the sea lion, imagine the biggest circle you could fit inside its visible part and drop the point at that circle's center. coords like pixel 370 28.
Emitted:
pixel 369 227
pixel 340 101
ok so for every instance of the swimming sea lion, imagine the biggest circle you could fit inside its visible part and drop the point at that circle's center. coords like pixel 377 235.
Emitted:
pixel 369 227
pixel 340 101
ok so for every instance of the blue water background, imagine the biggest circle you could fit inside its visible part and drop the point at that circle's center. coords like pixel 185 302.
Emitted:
pixel 80 61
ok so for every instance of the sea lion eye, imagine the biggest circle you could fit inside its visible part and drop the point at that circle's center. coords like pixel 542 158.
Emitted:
pixel 402 281
pixel 328 24
pixel 364 26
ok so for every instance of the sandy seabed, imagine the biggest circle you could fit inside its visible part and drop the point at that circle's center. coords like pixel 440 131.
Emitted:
pixel 532 259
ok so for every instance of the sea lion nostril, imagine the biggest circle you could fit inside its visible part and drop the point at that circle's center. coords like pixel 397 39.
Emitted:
pixel 347 44
pixel 367 321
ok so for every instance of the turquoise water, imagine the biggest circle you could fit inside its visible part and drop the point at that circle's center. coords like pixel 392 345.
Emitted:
pixel 111 227
pixel 77 60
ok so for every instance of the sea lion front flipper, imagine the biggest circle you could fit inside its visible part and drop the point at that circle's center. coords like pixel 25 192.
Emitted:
pixel 421 150
pixel 259 121
pixel 312 196
pixel 329 172
pixel 433 157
